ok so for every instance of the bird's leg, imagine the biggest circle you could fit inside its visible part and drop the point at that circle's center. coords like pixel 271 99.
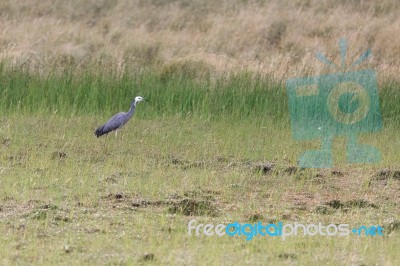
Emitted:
pixel 122 130
pixel 116 133
pixel 105 143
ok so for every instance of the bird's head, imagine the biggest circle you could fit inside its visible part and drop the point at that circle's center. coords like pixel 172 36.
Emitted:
pixel 139 99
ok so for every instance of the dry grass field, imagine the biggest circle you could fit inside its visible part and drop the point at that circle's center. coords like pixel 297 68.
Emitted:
pixel 278 38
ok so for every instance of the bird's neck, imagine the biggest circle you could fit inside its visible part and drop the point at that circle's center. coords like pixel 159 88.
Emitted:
pixel 132 109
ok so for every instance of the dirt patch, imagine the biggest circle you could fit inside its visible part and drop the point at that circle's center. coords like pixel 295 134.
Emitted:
pixel 386 174
pixel 322 209
pixel 148 203
pixel 203 194
pixel 48 211
pixel 391 225
pixel 5 141
pixel 264 168
pixel 194 202
pixel 194 207
pixel 286 256
pixel 183 163
pixel 147 257
pixel 337 173
pixel 176 160
pixel 118 197
pixel 58 155
pixel 301 201
pixel 242 165
pixel 256 217
pixel 350 204
pixel 185 206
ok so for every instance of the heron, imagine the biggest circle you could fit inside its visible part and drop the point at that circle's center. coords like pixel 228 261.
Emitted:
pixel 118 120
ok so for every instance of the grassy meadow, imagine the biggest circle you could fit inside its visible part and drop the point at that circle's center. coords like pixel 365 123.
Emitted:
pixel 213 143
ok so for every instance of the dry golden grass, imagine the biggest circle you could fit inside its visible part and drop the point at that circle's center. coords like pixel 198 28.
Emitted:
pixel 278 38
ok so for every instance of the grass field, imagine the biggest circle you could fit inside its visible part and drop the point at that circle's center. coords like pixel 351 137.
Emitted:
pixel 198 149
pixel 214 142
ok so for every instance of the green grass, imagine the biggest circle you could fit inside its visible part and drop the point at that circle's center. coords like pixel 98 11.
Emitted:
pixel 175 92
pixel 69 198
pixel 171 94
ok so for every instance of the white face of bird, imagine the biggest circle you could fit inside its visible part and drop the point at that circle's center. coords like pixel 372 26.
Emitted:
pixel 139 99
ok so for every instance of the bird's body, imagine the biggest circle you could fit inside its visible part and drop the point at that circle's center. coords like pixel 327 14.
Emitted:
pixel 118 120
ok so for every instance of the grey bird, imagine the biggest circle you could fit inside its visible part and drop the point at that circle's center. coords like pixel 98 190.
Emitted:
pixel 118 120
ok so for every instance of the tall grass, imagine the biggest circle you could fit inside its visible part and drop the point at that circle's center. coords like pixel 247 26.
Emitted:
pixel 240 95
pixel 91 92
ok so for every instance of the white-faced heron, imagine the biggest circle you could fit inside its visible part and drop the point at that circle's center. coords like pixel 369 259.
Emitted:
pixel 118 120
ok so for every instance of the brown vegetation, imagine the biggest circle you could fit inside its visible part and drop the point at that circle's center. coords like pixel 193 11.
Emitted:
pixel 278 38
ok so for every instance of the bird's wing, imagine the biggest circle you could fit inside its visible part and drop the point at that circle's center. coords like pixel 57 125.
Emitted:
pixel 114 122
